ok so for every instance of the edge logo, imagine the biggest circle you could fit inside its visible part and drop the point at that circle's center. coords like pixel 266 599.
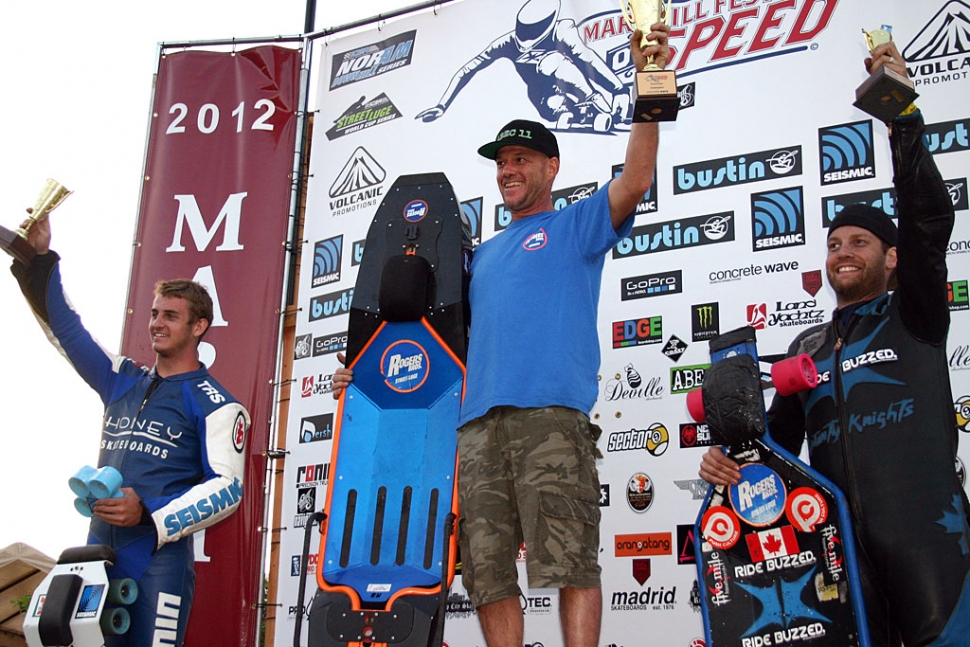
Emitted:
pixel 560 200
pixel 740 169
pixel 777 219
pixel 326 261
pixel 358 185
pixel 687 378
pixel 649 202
pixel 372 60
pixel 651 285
pixel 846 152
pixel 637 332
pixel 676 234
pixel 957 295
pixel 945 32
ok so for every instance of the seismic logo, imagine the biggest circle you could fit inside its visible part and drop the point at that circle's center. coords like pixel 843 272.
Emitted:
pixel 331 305
pixel 939 52
pixel 777 219
pixel 948 136
pixel 364 114
pixel 687 232
pixel 741 169
pixel 471 220
pixel 706 36
pixel 358 185
pixel 651 285
pixel 846 152
pixel 326 261
pixel 372 60
pixel 649 202
pixel 560 200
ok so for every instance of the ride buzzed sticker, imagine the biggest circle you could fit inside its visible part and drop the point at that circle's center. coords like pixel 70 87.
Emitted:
pixel 404 366
pixel 759 498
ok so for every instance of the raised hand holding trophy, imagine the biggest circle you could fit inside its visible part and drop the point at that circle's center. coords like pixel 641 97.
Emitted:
pixel 656 88
pixel 15 242
pixel 886 93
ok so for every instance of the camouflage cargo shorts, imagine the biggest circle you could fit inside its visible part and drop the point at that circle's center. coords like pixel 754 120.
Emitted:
pixel 528 475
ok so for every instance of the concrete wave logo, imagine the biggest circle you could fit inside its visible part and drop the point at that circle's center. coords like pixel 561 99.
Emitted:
pixel 360 172
pixel 326 260
pixel 777 219
pixel 846 152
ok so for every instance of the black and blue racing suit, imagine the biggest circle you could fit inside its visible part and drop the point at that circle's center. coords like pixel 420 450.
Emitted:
pixel 881 423
pixel 178 441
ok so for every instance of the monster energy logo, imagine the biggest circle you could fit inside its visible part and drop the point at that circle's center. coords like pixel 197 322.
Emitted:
pixel 704 319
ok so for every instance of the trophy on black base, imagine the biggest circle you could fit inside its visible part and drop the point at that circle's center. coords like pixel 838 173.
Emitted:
pixel 656 88
pixel 15 242
pixel 886 93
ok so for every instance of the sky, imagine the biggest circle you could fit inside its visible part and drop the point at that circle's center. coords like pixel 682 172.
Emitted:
pixel 74 106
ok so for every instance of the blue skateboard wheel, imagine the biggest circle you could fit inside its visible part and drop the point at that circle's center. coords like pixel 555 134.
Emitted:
pixel 115 622
pixel 124 591
pixel 106 483
pixel 82 505
pixel 79 482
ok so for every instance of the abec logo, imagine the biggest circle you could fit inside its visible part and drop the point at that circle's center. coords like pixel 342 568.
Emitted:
pixel 649 202
pixel 654 439
pixel 371 60
pixel 948 136
pixel 404 366
pixel 777 219
pixel 637 332
pixel 739 169
pixel 645 544
pixel 317 474
pixel 560 200
pixel 328 344
pixel 846 152
pixel 471 220
pixel 759 498
pixel 331 305
pixel 363 114
pixel 687 378
pixel 326 261
pixel 316 428
pixel 695 434
pixel 535 241
pixel 630 385
pixel 938 53
pixel 639 494
pixel 677 234
pixel 651 285
pixel 358 185
pixel 415 211
pixel 705 321
pixel 957 296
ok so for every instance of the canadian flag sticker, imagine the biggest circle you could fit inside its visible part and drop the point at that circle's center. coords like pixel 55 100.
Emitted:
pixel 775 542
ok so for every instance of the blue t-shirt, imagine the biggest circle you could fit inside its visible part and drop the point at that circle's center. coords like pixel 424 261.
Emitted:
pixel 534 295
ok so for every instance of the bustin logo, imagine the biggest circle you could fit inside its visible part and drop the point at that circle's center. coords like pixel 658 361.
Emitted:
pixel 846 152
pixel 372 60
pixel 326 261
pixel 777 219
pixel 939 52
pixel 677 234
pixel 651 285
pixel 560 200
pixel 649 202
pixel 740 169
pixel 404 366
pixel 948 136
pixel 331 305
pixel 358 185
pixel 885 200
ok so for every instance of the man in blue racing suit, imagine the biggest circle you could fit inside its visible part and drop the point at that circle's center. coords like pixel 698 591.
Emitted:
pixel 175 434
pixel 880 424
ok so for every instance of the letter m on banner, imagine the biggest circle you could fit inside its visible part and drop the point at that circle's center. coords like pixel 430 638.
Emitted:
pixel 215 208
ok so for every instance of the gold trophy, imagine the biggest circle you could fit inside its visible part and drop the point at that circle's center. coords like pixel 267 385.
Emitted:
pixel 15 242
pixel 885 93
pixel 657 98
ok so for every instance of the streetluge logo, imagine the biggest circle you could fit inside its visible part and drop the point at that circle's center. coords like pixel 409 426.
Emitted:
pixel 363 114
pixel 372 60
pixel 738 169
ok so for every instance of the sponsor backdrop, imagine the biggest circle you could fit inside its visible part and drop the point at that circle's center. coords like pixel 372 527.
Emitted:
pixel 215 209
pixel 767 148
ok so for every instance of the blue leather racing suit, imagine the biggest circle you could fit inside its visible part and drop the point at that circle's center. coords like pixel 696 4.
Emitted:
pixel 178 441
pixel 881 423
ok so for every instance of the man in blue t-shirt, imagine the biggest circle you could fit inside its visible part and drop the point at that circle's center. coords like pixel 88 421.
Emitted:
pixel 527 468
